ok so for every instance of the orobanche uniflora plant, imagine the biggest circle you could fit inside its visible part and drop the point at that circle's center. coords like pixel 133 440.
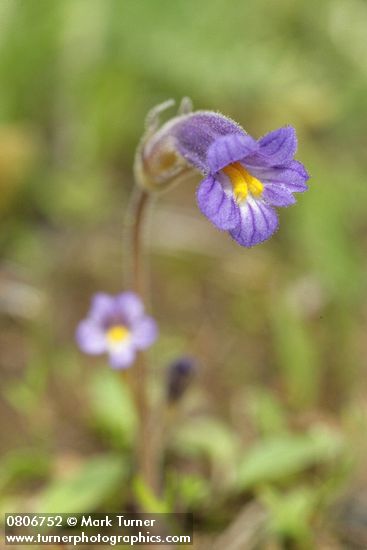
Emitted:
pixel 244 181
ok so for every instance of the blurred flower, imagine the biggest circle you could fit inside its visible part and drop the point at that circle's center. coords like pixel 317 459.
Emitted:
pixel 118 326
pixel 179 376
pixel 245 178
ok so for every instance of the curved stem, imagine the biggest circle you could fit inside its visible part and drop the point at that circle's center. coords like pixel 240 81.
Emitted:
pixel 146 446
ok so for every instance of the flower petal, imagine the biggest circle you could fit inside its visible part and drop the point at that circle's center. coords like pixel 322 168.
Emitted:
pixel 228 149
pixel 277 195
pixel 279 147
pixel 293 176
pixel 102 308
pixel 90 337
pixel 129 307
pixel 123 357
pixel 144 333
pixel 217 205
pixel 195 133
pixel 258 222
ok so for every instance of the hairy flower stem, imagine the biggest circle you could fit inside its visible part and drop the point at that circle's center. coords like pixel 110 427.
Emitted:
pixel 141 204
pixel 146 444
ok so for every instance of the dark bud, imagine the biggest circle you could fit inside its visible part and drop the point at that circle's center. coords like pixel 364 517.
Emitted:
pixel 179 376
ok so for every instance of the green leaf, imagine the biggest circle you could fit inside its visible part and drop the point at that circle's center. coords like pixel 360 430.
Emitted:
pixel 266 411
pixel 213 440
pixel 85 489
pixel 207 437
pixel 278 457
pixel 146 499
pixel 21 465
pixel 190 490
pixel 112 407
pixel 291 512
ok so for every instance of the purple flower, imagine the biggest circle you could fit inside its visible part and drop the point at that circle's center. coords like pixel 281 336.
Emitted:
pixel 118 326
pixel 245 178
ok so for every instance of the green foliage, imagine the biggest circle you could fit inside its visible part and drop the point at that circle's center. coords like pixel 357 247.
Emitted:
pixel 190 491
pixel 24 395
pixel 211 439
pixel 291 514
pixel 112 408
pixel 296 354
pixel 208 437
pixel 19 467
pixel 147 500
pixel 86 488
pixel 279 457
pixel 328 239
pixel 266 412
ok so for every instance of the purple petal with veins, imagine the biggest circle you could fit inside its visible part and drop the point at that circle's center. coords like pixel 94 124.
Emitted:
pixel 258 222
pixel 217 205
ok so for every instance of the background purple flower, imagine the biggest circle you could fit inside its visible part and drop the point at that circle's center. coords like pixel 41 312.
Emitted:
pixel 118 326
pixel 245 178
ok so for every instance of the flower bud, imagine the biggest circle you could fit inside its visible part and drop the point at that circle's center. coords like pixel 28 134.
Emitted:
pixel 158 163
pixel 179 376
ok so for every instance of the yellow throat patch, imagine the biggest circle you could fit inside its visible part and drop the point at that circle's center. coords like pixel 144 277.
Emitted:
pixel 242 181
pixel 117 334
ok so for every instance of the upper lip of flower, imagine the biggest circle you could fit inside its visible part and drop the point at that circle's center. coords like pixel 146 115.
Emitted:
pixel 276 148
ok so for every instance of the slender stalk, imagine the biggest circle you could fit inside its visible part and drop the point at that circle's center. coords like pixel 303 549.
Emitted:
pixel 141 203
pixel 146 447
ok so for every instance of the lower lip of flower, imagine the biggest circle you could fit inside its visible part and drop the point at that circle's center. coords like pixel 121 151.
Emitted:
pixel 117 334
pixel 242 181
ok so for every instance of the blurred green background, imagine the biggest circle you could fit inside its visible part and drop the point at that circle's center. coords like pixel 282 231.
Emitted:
pixel 278 410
